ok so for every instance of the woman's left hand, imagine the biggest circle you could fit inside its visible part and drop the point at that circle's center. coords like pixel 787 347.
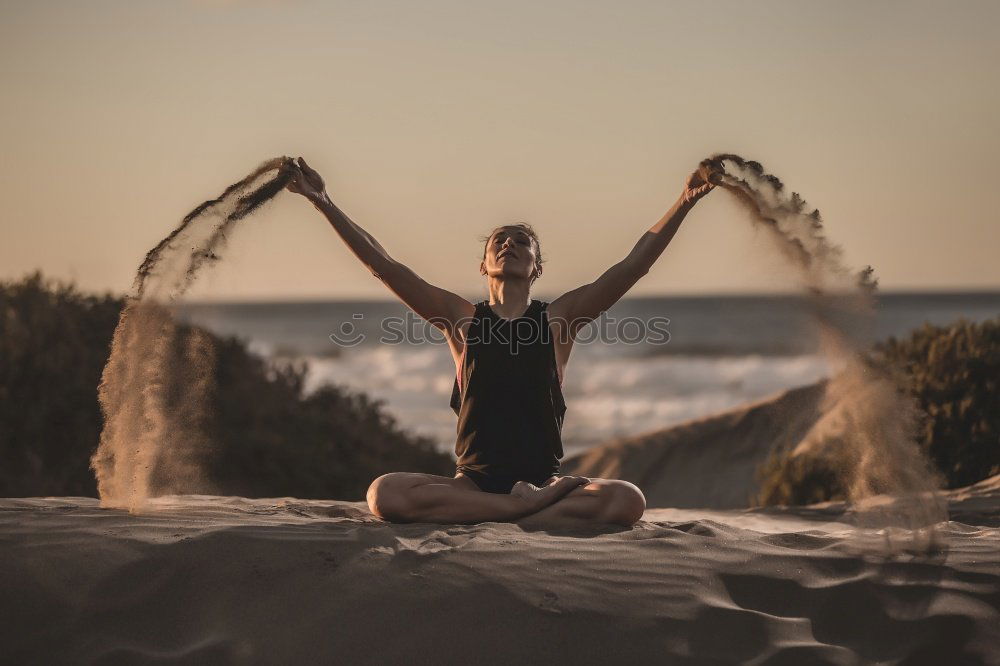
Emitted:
pixel 700 183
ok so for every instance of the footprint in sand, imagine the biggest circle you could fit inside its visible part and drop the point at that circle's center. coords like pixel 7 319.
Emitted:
pixel 550 602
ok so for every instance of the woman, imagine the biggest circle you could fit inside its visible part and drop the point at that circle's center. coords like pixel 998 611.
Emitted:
pixel 510 355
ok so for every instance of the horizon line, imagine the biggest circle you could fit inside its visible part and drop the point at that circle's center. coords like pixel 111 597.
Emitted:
pixel 271 300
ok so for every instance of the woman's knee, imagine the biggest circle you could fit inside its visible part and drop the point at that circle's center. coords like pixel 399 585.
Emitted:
pixel 625 503
pixel 387 496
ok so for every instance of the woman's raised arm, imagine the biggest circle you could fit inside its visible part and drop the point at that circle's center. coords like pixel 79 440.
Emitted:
pixel 438 306
pixel 582 305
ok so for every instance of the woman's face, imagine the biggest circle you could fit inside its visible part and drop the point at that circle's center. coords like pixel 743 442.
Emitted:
pixel 511 253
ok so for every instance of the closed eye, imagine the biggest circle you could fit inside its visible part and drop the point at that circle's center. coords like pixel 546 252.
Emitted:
pixel 521 239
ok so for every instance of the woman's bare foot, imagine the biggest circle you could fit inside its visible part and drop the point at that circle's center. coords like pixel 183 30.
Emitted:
pixel 539 498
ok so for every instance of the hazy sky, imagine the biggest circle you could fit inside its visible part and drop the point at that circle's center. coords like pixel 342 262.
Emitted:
pixel 433 121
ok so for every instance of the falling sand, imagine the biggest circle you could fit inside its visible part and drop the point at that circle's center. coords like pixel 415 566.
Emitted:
pixel 157 385
pixel 867 433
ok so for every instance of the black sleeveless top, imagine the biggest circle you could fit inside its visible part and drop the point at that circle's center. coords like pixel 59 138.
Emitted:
pixel 509 404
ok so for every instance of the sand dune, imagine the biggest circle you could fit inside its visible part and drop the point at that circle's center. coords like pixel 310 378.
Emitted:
pixel 709 462
pixel 202 579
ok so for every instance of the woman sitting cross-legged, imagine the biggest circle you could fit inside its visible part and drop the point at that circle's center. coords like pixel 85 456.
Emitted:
pixel 510 354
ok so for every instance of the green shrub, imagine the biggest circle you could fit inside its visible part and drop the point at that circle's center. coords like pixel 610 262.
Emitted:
pixel 788 480
pixel 269 438
pixel 953 373
pixel 53 345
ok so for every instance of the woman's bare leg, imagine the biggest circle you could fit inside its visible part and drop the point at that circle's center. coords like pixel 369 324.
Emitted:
pixel 600 502
pixel 409 498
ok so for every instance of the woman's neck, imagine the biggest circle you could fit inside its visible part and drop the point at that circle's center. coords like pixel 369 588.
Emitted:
pixel 509 298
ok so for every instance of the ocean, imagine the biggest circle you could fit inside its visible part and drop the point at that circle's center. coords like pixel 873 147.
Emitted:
pixel 649 364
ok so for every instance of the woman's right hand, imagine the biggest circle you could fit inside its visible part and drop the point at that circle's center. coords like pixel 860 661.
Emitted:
pixel 307 182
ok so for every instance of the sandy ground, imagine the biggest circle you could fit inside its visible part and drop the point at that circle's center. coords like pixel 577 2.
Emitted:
pixel 707 462
pixel 201 579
